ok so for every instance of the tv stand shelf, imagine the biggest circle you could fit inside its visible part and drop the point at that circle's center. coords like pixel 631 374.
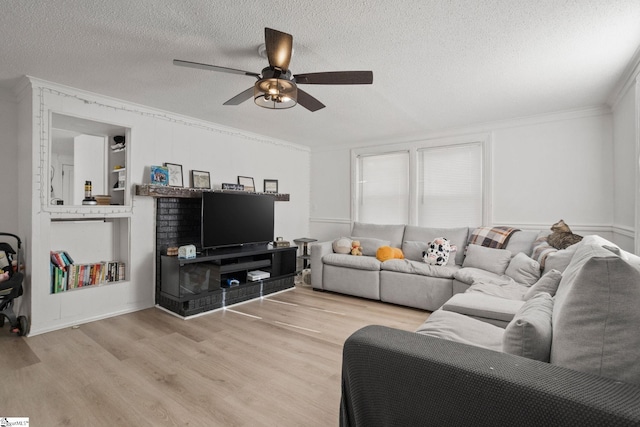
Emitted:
pixel 191 286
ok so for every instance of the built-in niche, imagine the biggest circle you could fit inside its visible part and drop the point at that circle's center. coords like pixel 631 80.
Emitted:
pixel 82 151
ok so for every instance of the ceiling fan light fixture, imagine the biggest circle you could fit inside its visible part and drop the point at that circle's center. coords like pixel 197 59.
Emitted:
pixel 275 94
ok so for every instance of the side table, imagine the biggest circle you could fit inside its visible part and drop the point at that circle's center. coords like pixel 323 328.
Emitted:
pixel 303 243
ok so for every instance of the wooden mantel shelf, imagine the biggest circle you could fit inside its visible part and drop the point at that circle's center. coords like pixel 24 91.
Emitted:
pixel 165 191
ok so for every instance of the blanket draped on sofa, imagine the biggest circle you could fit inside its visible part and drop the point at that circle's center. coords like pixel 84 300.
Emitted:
pixel 491 237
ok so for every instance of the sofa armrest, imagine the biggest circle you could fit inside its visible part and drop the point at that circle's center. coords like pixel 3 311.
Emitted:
pixel 392 377
pixel 318 250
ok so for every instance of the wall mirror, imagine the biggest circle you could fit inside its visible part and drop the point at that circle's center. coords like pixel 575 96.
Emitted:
pixel 85 151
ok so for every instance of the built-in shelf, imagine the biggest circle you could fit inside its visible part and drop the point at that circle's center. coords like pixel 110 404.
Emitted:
pixel 166 191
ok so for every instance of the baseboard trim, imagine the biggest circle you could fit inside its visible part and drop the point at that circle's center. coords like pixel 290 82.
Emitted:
pixel 67 323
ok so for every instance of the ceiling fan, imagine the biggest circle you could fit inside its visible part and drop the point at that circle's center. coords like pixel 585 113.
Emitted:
pixel 276 87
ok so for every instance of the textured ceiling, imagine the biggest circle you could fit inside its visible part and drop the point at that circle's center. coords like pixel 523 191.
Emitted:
pixel 436 64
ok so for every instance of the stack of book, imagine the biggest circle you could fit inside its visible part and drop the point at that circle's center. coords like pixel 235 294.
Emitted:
pixel 66 275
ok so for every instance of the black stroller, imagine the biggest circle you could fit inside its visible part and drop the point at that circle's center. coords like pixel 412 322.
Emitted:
pixel 12 288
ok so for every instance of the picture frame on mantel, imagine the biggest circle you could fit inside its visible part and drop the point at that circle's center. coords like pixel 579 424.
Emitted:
pixel 200 179
pixel 175 175
pixel 247 181
pixel 270 185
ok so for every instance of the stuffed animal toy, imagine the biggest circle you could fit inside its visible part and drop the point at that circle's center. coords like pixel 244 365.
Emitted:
pixel 561 236
pixel 385 253
pixel 342 245
pixel 4 276
pixel 356 249
pixel 437 252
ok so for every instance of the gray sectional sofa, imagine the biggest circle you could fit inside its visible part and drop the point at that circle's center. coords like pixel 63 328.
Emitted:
pixel 410 281
pixel 570 355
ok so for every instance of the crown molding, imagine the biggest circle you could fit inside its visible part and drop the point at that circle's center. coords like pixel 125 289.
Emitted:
pixel 479 128
pixel 126 106
pixel 627 80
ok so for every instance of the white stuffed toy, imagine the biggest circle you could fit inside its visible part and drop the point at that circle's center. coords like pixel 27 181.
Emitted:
pixel 342 246
pixel 437 252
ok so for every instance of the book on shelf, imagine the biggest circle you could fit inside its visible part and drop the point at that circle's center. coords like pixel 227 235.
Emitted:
pixel 67 275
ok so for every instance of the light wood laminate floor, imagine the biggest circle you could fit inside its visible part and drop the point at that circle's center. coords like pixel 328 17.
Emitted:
pixel 273 362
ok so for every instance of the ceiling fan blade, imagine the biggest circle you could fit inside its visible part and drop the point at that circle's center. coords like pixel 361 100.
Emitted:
pixel 308 101
pixel 241 97
pixel 213 68
pixel 336 78
pixel 279 46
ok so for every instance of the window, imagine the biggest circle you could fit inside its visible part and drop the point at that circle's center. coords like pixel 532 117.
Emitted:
pixel 383 188
pixel 433 183
pixel 450 186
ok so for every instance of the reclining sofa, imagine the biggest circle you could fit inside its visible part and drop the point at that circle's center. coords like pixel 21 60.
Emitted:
pixel 410 281
pixel 569 356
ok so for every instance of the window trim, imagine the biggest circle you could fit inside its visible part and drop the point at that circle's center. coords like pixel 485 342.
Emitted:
pixel 485 140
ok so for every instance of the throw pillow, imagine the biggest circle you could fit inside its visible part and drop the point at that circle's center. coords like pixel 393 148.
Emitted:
pixel 369 245
pixel 342 245
pixel 493 260
pixel 529 333
pixel 413 249
pixel 547 283
pixel 523 269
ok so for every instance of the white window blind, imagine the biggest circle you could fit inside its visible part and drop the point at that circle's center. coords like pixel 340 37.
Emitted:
pixel 450 186
pixel 383 195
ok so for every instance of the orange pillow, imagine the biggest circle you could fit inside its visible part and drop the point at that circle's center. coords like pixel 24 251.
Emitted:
pixel 385 253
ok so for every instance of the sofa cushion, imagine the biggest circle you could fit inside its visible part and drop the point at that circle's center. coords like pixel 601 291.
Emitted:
pixel 529 333
pixel 456 236
pixel 350 261
pixel 547 283
pixel 471 275
pixel 391 232
pixel 559 260
pixel 463 329
pixel 493 260
pixel 595 315
pixel 421 268
pixel 483 306
pixel 522 241
pixel 523 269
pixel 506 289
pixel 370 245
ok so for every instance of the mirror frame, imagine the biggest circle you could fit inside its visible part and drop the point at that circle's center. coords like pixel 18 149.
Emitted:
pixel 46 150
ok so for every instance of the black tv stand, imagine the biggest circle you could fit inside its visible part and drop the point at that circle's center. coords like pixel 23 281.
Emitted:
pixel 192 286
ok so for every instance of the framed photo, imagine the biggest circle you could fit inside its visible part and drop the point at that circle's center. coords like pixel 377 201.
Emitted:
pixel 200 179
pixel 270 185
pixel 175 175
pixel 159 175
pixel 247 181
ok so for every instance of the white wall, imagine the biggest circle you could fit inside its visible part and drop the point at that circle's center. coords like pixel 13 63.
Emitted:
pixel 625 164
pixel 156 137
pixel 8 164
pixel 543 169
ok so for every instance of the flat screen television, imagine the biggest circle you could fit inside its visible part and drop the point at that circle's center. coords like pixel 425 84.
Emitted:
pixel 233 219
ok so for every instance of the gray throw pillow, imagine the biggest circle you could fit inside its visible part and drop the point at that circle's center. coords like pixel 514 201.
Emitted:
pixel 493 260
pixel 547 283
pixel 523 269
pixel 529 333
pixel 370 245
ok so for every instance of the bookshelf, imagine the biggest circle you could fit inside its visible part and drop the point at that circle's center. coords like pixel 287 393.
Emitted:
pixel 101 258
